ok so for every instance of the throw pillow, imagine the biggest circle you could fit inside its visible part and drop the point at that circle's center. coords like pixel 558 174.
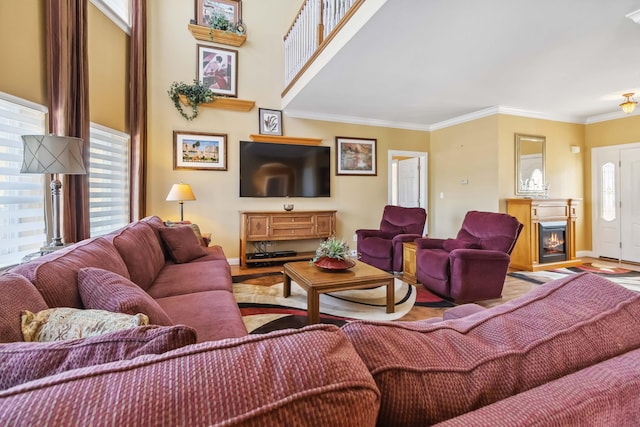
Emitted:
pixel 105 290
pixel 65 323
pixel 16 294
pixel 181 243
pixel 23 362
pixel 194 227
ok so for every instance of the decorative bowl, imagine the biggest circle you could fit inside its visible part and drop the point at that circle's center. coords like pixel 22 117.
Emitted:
pixel 334 264
pixel 288 207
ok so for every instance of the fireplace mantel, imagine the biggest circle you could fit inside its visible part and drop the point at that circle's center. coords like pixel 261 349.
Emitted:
pixel 530 212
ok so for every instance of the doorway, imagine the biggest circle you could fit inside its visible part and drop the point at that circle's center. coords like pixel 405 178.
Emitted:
pixel 408 173
pixel 616 202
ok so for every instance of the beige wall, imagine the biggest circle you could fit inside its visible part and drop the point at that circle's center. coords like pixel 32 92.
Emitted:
pixel 172 57
pixel 22 49
pixel 108 71
pixel 468 151
pixel 481 151
pixel 22 31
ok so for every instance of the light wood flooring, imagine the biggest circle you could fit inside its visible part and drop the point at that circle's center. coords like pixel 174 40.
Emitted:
pixel 513 287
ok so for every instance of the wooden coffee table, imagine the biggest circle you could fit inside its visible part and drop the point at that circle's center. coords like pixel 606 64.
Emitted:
pixel 316 282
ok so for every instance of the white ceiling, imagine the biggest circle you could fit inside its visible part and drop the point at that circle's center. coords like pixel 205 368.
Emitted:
pixel 424 64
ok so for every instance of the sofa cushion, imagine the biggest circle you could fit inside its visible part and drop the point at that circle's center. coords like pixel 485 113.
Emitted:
pixel 63 323
pixel 22 362
pixel 141 251
pixel 604 394
pixel 271 379
pixel 180 279
pixel 214 314
pixel 16 294
pixel 104 290
pixel 55 274
pixel 431 372
pixel 182 245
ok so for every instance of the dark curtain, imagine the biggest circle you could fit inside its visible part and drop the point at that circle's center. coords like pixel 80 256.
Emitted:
pixel 68 94
pixel 138 107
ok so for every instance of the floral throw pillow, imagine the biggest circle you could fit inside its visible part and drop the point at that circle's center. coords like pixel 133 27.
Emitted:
pixel 56 324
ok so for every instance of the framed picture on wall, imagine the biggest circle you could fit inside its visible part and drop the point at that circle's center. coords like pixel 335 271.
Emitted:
pixel 218 69
pixel 230 9
pixel 270 122
pixel 356 156
pixel 199 150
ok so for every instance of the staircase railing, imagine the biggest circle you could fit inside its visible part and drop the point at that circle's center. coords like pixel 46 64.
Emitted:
pixel 315 25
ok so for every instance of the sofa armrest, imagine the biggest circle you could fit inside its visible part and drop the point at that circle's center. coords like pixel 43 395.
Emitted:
pixel 463 310
pixel 429 243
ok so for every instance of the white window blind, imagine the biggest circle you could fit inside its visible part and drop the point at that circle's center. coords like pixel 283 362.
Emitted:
pixel 108 180
pixel 22 226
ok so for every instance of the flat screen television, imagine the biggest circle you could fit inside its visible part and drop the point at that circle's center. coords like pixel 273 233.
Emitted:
pixel 284 170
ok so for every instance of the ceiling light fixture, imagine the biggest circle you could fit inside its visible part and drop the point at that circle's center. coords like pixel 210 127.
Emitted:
pixel 628 105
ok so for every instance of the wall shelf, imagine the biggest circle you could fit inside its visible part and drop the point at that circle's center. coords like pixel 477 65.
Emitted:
pixel 285 139
pixel 223 103
pixel 200 32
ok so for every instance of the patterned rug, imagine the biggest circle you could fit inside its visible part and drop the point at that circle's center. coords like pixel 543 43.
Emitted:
pixel 628 278
pixel 264 309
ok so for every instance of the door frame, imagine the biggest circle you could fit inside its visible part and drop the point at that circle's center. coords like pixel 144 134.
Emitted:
pixel 424 173
pixel 595 195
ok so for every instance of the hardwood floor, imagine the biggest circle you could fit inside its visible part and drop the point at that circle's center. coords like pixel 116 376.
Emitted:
pixel 513 287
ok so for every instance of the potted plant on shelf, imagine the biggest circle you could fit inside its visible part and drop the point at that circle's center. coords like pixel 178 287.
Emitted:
pixel 333 254
pixel 196 94
pixel 219 21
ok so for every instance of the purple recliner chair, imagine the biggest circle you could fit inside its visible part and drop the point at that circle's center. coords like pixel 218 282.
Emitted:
pixel 472 266
pixel 383 248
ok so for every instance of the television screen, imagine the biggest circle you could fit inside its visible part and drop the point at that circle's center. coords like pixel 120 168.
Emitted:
pixel 284 170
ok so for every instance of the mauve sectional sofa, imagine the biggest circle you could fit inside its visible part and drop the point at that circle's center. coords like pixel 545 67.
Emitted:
pixel 567 353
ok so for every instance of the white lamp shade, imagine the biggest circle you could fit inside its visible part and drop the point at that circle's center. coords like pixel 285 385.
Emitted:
pixel 180 192
pixel 52 154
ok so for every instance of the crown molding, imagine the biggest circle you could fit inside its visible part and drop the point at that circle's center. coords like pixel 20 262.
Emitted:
pixel 486 112
pixel 634 16
pixel 356 120
pixel 609 116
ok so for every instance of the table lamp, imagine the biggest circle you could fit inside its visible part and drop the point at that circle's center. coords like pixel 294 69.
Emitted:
pixel 53 154
pixel 180 193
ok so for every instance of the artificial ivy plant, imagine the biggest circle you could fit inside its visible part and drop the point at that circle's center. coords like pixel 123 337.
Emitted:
pixel 196 94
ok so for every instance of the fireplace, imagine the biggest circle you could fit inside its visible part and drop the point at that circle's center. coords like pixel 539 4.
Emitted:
pixel 552 241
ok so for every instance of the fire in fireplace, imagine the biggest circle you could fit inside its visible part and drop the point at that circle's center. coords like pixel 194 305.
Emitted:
pixel 551 244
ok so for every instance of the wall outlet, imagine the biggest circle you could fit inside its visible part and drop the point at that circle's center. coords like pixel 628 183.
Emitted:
pixel 355 237
pixel 353 252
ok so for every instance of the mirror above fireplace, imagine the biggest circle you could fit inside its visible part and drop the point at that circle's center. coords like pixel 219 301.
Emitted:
pixel 530 165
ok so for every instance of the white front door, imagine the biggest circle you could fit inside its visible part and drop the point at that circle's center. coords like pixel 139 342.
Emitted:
pixel 616 207
pixel 630 206
pixel 409 182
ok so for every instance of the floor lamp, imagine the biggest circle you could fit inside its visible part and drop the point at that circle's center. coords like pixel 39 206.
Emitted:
pixel 52 154
pixel 180 193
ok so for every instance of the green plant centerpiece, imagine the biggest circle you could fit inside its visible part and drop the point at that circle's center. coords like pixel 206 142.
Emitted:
pixel 219 21
pixel 196 94
pixel 333 254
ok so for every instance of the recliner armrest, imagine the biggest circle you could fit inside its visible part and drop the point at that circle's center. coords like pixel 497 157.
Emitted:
pixel 429 243
pixel 364 233
pixel 405 237
pixel 479 255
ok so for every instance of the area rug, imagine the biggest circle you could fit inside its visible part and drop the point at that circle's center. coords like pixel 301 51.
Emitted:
pixel 264 309
pixel 628 278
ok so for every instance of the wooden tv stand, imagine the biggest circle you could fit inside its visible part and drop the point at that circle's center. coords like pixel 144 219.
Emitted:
pixel 258 226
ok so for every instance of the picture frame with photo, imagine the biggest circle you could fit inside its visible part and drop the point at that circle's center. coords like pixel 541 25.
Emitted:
pixel 270 122
pixel 231 9
pixel 199 150
pixel 218 69
pixel 356 156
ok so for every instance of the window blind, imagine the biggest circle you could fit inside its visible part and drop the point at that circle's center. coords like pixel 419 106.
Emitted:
pixel 108 180
pixel 22 222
